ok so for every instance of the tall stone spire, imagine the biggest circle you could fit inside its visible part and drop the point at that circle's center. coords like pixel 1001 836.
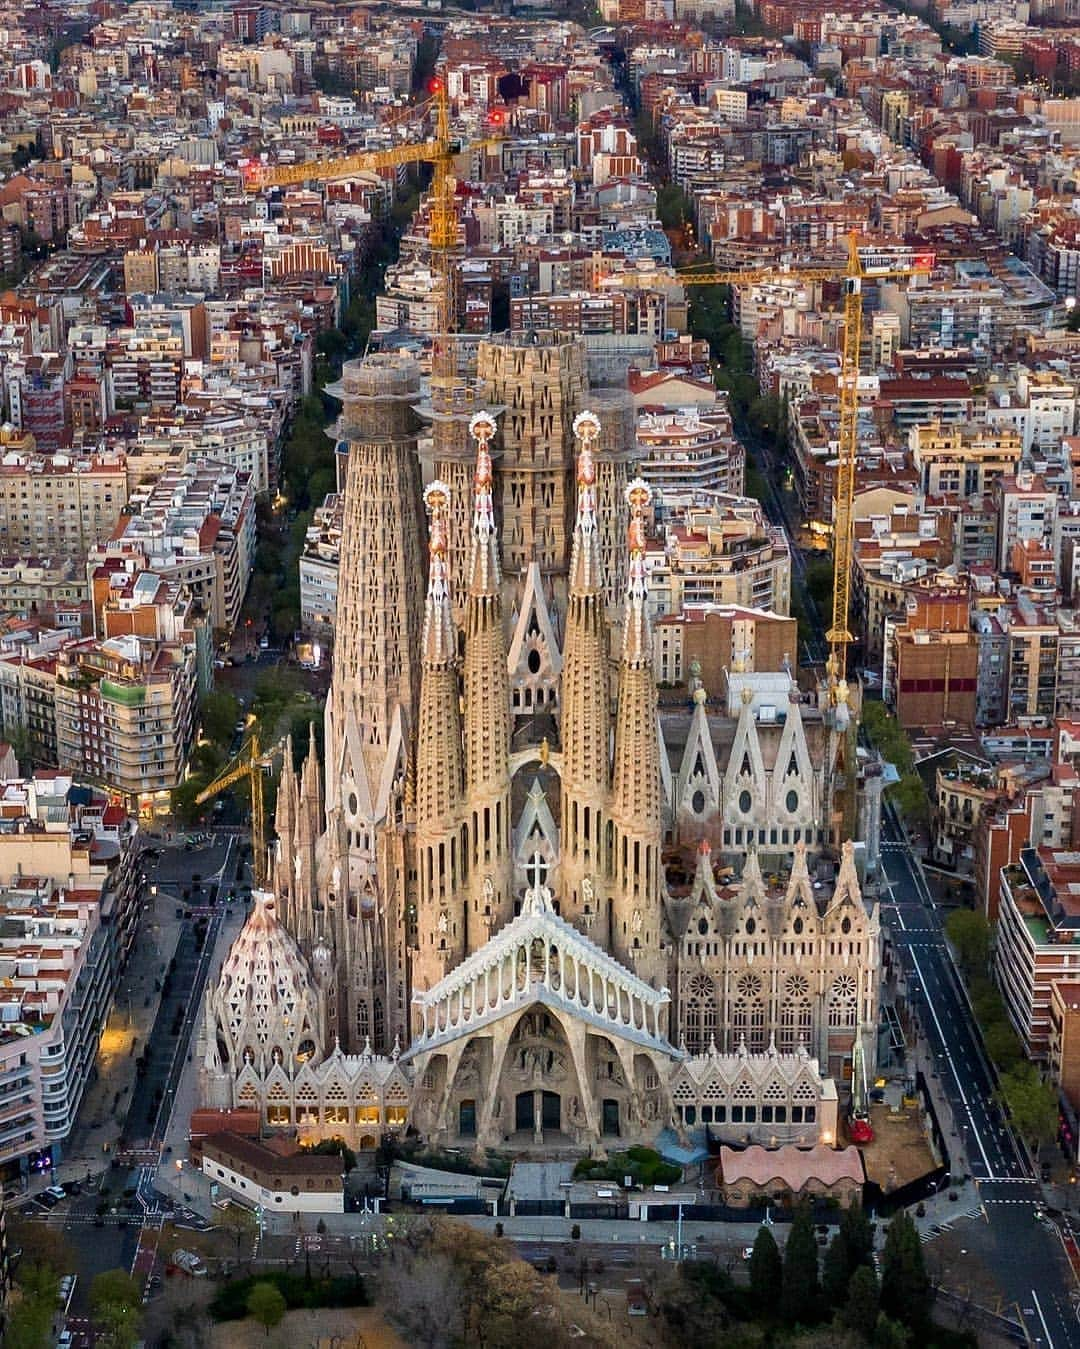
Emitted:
pixel 487 711
pixel 442 908
pixel 586 721
pixel 374 699
pixel 636 775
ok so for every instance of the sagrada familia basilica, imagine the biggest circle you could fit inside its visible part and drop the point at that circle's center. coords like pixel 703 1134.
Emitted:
pixel 523 903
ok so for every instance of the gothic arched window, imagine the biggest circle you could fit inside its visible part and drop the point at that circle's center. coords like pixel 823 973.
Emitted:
pixel 699 1015
pixel 843 1002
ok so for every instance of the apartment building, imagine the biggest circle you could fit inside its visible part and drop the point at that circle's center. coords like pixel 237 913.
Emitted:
pixel 713 640
pixel 319 568
pixel 240 439
pixel 59 504
pixel 34 585
pixel 1032 668
pixel 69 899
pixel 963 460
pixel 1063 1050
pixel 28 693
pixel 724 555
pixel 126 713
pixel 1038 940
pixel 962 790
pixel 891 551
pixel 931 665
pixel 689 454
pixel 196 525
pixel 1027 513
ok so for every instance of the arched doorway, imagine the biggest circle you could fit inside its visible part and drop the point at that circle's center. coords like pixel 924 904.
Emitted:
pixel 527 1104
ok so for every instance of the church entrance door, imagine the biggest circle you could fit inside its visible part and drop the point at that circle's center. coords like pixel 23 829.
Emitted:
pixel 523 1111
pixel 611 1117
pixel 551 1110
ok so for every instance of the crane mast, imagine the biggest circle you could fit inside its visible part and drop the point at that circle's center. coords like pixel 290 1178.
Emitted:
pixel 440 151
pixel 864 262
pixel 250 764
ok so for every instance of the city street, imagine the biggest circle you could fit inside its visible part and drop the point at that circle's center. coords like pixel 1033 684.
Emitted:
pixel 1039 1286
pixel 1039 1289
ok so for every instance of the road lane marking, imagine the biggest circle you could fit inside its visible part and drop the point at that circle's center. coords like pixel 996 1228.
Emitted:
pixel 956 1075
pixel 1038 1308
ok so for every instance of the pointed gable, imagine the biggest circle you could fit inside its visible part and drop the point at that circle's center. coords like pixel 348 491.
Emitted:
pixel 793 773
pixel 746 776
pixel 534 661
pixel 698 793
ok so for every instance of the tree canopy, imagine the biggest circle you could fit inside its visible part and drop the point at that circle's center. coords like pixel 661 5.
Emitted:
pixel 905 1287
pixel 266 1305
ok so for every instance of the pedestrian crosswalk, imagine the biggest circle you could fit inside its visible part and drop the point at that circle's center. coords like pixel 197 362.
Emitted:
pixel 939 1229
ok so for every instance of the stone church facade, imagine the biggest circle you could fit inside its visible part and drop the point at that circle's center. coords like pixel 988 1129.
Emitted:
pixel 519 891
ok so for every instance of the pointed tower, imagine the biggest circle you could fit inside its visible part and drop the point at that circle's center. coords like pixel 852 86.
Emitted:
pixel 635 809
pixel 284 827
pixel 374 699
pixel 586 717
pixel 487 713
pixel 441 908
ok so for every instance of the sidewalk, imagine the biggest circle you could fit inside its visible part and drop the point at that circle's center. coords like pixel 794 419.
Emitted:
pixel 108 1094
pixel 187 1185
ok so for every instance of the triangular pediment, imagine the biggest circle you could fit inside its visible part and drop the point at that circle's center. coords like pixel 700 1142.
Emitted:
pixel 552 963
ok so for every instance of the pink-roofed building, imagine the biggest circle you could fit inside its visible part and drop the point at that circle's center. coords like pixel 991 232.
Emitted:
pixel 801 1173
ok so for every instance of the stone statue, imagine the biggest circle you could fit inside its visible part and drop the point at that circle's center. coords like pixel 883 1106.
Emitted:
pixel 444 922
pixel 637 922
pixel 489 890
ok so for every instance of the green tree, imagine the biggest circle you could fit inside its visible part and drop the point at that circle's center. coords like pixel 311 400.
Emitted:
pixel 969 933
pixel 1031 1103
pixel 266 1305
pixel 766 1269
pixel 836 1270
pixel 799 1295
pixel 909 797
pixel 905 1288
pixel 116 1306
pixel 855 1225
pixel 860 1313
pixel 29 1325
pixel 1002 1044
pixel 890 1334
pixel 220 711
pixel 182 800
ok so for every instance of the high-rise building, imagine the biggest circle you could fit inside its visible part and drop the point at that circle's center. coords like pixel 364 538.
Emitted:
pixel 523 890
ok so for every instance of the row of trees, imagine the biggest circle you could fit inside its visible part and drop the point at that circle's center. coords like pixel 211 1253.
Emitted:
pixel 798 1290
pixel 909 794
pixel 1031 1103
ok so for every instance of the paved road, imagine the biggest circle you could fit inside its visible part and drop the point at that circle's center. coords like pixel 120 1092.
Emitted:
pixel 1024 1252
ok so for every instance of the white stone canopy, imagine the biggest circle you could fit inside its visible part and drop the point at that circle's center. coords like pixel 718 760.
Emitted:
pixel 541 958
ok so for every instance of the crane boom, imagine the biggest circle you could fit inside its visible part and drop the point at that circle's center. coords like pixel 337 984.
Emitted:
pixel 439 150
pixel 864 262
pixel 249 763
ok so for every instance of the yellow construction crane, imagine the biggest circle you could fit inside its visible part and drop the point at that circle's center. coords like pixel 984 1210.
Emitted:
pixel 440 151
pixel 865 262
pixel 250 763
